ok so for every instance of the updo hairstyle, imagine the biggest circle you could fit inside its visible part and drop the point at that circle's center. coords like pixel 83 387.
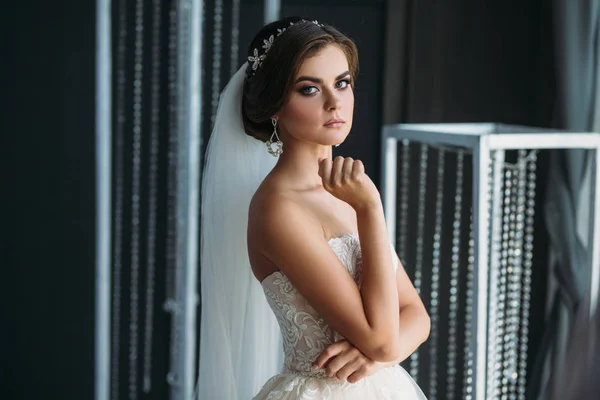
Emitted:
pixel 269 82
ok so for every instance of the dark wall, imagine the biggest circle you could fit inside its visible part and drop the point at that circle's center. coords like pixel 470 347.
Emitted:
pixel 472 61
pixel 47 248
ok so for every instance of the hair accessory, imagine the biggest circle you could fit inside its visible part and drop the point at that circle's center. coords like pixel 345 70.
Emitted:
pixel 256 59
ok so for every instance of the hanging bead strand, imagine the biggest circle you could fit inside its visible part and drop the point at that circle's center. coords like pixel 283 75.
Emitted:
pixel 118 200
pixel 454 269
pixel 414 366
pixel 515 276
pixel 217 35
pixel 171 163
pixel 402 223
pixel 152 197
pixel 135 200
pixel 177 45
pixel 527 271
pixel 507 243
pixel 435 276
pixel 404 189
pixel 469 357
pixel 235 35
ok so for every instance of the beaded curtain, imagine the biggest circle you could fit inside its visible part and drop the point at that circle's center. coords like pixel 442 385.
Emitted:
pixel 435 242
pixel 144 294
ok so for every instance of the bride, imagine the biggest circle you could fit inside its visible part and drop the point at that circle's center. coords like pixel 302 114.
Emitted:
pixel 303 296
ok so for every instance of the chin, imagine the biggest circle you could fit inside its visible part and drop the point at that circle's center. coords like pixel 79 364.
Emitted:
pixel 332 137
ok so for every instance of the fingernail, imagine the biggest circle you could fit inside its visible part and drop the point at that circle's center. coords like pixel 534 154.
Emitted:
pixel 315 366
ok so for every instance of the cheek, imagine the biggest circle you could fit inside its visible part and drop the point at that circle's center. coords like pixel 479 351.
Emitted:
pixel 348 102
pixel 301 112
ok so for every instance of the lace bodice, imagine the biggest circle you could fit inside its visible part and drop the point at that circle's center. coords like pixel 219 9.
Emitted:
pixel 305 333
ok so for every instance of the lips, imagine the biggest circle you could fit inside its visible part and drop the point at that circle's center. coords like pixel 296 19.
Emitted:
pixel 334 123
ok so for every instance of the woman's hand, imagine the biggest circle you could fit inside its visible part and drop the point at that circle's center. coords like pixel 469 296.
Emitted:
pixel 345 362
pixel 345 178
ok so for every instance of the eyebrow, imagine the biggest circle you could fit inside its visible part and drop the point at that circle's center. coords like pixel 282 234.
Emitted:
pixel 317 80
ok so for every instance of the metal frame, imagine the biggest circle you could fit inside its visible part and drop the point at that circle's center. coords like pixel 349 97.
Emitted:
pixel 272 10
pixel 496 220
pixel 481 162
pixel 189 85
pixel 481 139
pixel 102 345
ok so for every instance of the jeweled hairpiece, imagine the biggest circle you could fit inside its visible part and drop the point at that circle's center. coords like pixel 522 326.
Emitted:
pixel 258 55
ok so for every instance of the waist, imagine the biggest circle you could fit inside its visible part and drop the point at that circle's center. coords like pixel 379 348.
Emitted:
pixel 321 373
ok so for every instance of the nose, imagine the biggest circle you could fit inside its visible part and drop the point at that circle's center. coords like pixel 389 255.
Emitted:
pixel 333 102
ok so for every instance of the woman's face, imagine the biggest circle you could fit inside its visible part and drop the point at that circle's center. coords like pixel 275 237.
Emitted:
pixel 320 106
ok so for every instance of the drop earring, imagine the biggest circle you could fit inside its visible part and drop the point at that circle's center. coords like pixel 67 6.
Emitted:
pixel 275 148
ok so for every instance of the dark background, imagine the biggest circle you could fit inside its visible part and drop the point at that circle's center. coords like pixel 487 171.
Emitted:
pixel 457 61
pixel 48 191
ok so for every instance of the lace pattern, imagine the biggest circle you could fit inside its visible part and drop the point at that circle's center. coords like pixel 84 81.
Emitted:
pixel 306 335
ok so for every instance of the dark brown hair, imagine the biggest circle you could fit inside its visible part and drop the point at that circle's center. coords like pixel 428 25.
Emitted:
pixel 266 89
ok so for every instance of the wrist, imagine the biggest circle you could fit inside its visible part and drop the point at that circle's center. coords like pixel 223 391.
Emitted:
pixel 369 206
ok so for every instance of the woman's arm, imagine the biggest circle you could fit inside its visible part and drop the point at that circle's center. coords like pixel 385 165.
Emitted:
pixel 414 320
pixel 378 289
pixel 292 238
pixel 344 361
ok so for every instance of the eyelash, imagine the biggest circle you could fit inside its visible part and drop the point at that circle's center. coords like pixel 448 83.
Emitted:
pixel 303 90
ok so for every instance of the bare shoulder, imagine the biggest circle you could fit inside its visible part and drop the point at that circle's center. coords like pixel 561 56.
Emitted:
pixel 275 212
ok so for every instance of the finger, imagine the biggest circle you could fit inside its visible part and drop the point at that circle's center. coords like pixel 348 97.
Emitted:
pixel 357 375
pixel 348 356
pixel 337 363
pixel 349 369
pixel 330 351
pixel 325 171
pixel 336 171
pixel 347 169
pixel 321 160
pixel 358 168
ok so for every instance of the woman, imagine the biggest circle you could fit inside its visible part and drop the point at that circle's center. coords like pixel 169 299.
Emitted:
pixel 339 301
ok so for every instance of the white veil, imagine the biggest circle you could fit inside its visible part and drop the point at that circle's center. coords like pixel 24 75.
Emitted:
pixel 240 342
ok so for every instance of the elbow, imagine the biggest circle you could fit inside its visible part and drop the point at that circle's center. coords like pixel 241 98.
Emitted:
pixel 426 326
pixel 388 351
pixel 422 323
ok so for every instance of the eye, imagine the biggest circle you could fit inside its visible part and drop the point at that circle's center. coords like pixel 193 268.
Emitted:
pixel 343 84
pixel 308 90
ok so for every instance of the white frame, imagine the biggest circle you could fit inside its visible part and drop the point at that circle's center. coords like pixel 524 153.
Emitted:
pixel 481 139
pixel 102 345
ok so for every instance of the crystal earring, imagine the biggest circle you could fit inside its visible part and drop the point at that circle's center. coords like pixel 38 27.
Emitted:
pixel 275 148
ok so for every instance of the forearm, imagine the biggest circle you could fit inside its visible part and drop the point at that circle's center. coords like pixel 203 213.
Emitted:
pixel 414 330
pixel 378 289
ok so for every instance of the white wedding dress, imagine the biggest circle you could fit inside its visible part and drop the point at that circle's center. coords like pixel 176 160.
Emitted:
pixel 306 335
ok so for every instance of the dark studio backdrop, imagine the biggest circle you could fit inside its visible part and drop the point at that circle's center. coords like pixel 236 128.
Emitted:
pixel 445 62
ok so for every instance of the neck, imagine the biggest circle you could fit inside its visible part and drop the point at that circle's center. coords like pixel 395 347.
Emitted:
pixel 300 163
